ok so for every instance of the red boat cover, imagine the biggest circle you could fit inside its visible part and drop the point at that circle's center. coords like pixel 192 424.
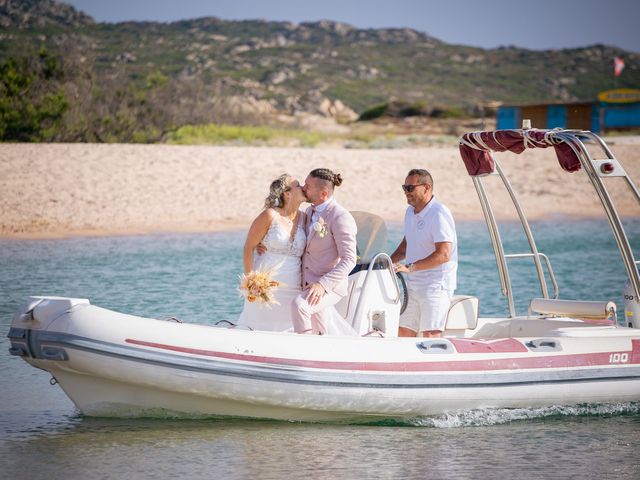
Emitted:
pixel 476 148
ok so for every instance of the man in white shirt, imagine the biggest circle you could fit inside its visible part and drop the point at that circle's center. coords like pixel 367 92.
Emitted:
pixel 430 247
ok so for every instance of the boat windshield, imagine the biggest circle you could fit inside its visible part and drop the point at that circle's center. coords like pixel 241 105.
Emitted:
pixel 372 235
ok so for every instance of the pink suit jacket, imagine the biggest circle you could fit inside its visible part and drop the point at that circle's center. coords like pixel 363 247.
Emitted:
pixel 328 260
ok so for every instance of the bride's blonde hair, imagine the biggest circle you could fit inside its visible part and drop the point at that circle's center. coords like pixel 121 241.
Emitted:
pixel 276 191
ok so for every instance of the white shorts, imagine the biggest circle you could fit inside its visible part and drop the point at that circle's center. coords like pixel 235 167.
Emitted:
pixel 427 309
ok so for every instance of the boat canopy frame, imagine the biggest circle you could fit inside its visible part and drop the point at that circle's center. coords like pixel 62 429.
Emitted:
pixel 572 154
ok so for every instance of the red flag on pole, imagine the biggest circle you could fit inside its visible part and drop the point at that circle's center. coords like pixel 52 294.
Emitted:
pixel 618 66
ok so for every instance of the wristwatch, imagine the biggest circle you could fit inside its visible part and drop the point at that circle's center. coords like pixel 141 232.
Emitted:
pixel 411 267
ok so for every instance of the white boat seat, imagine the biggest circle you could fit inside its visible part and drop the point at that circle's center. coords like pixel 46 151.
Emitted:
pixel 573 308
pixel 463 313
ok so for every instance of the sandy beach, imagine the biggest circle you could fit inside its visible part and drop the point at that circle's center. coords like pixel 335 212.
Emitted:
pixel 54 190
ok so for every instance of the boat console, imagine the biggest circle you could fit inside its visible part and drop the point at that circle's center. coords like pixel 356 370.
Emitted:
pixel 377 295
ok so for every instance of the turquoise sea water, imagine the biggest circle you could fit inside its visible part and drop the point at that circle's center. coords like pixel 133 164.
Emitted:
pixel 193 277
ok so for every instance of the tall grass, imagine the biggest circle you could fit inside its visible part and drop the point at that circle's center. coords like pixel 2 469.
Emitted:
pixel 273 136
pixel 214 134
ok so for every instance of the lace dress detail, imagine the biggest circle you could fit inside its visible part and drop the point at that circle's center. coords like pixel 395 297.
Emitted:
pixel 278 240
pixel 285 254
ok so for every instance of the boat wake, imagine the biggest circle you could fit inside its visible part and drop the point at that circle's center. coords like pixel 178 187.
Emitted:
pixel 467 418
pixel 499 416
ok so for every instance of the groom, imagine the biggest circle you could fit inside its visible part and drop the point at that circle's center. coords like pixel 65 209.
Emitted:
pixel 329 256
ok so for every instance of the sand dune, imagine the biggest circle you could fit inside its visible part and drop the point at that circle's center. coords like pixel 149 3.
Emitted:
pixel 51 190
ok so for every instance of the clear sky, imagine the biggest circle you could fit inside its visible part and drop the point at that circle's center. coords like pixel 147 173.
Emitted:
pixel 539 24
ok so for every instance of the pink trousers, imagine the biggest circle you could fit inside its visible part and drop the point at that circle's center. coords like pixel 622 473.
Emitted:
pixel 306 317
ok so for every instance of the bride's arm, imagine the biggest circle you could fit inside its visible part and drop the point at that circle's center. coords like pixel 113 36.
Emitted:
pixel 256 233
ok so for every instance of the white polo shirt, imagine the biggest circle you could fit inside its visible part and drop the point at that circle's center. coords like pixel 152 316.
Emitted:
pixel 422 231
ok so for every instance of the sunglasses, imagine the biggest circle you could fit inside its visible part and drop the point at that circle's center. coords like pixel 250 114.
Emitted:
pixel 411 188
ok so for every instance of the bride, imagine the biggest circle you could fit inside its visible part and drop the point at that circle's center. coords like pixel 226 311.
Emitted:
pixel 280 228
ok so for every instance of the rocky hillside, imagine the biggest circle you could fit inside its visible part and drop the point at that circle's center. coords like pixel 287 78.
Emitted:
pixel 151 77
pixel 25 14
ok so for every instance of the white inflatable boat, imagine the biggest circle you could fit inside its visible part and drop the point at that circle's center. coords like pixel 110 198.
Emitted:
pixel 561 352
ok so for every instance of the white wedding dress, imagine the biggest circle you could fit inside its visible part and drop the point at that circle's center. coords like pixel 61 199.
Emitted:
pixel 285 254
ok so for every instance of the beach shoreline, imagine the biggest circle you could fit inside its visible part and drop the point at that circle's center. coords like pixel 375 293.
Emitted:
pixel 234 227
pixel 68 190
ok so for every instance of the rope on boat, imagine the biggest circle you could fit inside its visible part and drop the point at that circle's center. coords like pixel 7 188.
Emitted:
pixel 173 319
pixel 231 324
pixel 375 331
pixel 474 140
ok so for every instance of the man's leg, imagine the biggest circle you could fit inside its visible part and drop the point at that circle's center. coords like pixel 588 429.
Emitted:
pixel 432 333
pixel 311 318
pixel 435 308
pixel 406 332
pixel 410 318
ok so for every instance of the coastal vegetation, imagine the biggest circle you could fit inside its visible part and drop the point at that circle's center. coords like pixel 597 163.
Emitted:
pixel 32 106
pixel 244 135
pixel 65 77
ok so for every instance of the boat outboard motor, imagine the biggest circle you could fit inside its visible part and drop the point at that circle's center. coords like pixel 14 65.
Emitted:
pixel 631 306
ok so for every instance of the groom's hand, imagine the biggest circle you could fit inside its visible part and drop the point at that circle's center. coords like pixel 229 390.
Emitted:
pixel 261 249
pixel 315 293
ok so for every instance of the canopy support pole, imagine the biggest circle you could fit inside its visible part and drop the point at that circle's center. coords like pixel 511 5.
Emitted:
pixel 573 140
pixel 496 241
pixel 527 231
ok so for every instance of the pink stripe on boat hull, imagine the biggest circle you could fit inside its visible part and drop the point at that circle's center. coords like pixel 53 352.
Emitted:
pixel 540 361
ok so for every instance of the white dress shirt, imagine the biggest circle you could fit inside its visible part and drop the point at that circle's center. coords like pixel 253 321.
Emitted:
pixel 317 212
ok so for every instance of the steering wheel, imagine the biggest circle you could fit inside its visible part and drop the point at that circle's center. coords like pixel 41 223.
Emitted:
pixel 404 292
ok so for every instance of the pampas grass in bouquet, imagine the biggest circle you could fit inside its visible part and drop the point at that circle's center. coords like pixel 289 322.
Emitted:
pixel 259 286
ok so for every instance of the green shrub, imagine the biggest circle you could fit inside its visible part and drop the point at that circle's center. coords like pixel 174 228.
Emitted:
pixel 373 112
pixel 219 134
pixel 310 139
pixel 402 109
pixel 451 112
pixel 396 109
pixel 31 107
pixel 149 135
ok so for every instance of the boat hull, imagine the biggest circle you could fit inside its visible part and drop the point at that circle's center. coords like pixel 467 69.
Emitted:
pixel 111 364
pixel 99 396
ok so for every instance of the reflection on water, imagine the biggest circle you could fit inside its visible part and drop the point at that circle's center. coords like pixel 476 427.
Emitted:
pixel 192 277
pixel 572 447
